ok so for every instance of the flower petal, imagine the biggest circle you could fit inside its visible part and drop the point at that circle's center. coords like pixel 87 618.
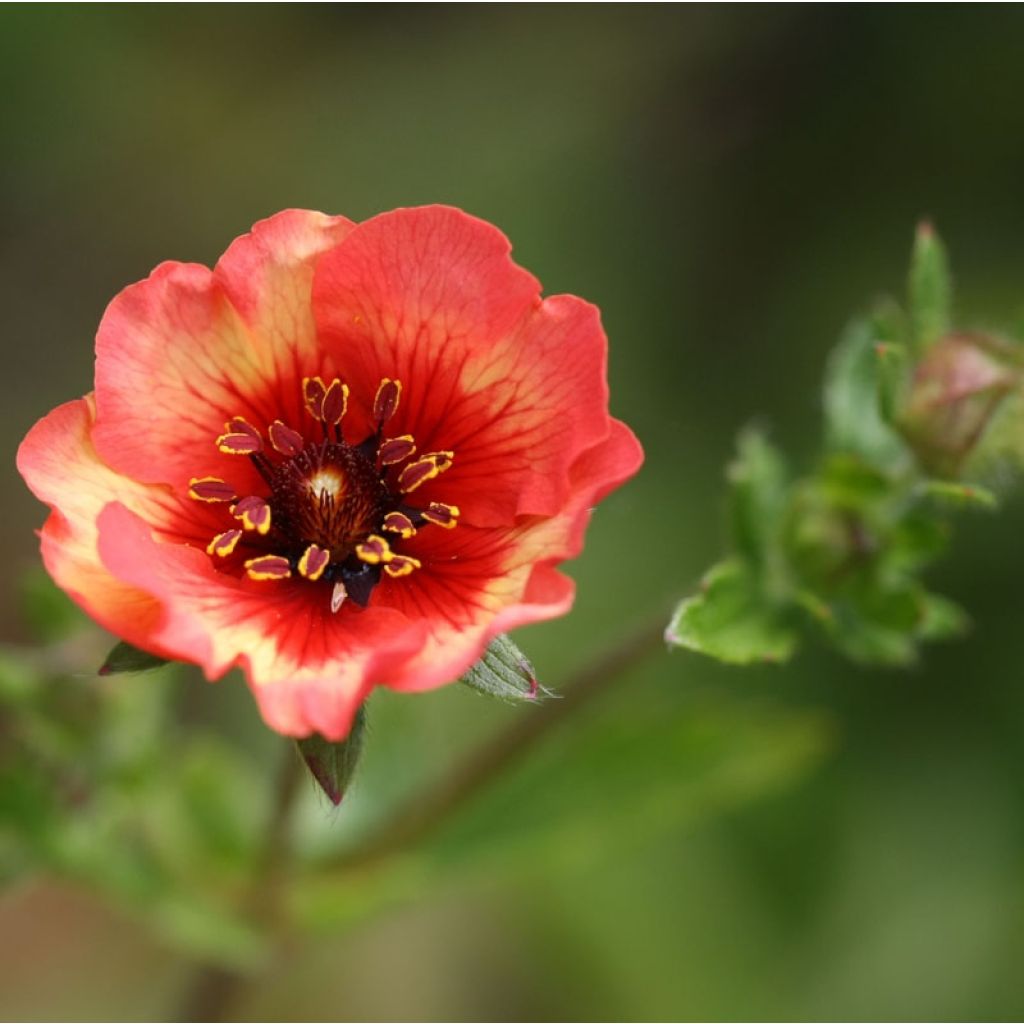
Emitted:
pixel 60 465
pixel 308 668
pixel 477 583
pixel 183 352
pixel 515 387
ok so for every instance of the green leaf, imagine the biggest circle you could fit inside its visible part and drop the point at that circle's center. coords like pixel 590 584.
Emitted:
pixel 731 620
pixel 853 400
pixel 930 289
pixel 504 672
pixel 758 480
pixel 125 658
pixel 893 375
pixel 941 619
pixel 955 495
pixel 333 765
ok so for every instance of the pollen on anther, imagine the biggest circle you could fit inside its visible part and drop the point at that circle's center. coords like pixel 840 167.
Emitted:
pixel 224 543
pixel 385 402
pixel 313 392
pixel 313 562
pixel 445 516
pixel 239 443
pixel 268 567
pixel 254 513
pixel 285 440
pixel 400 523
pixel 335 403
pixel 210 488
pixel 396 449
pixel 402 565
pixel 425 468
pixel 374 550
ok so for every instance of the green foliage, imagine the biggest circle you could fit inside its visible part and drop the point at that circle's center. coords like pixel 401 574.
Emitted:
pixel 101 785
pixel 841 550
pixel 333 765
pixel 504 672
pixel 930 290
pixel 125 658
pixel 732 620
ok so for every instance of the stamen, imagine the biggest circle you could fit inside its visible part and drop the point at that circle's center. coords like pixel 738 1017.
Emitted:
pixel 240 425
pixel 240 443
pixel 425 468
pixel 285 440
pixel 446 516
pixel 396 449
pixel 335 403
pixel 338 595
pixel 374 550
pixel 313 392
pixel 224 543
pixel 402 565
pixel 210 488
pixel 400 523
pixel 268 567
pixel 254 513
pixel 313 562
pixel 385 402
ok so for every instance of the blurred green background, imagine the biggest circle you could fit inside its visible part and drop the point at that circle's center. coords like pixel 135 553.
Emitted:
pixel 729 184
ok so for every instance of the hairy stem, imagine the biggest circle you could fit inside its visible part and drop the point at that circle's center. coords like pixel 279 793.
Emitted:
pixel 214 988
pixel 421 815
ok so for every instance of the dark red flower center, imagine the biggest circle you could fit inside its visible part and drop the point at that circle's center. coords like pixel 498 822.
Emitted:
pixel 333 511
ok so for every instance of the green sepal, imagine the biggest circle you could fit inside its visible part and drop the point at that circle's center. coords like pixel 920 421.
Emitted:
pixel 504 672
pixel 333 765
pixel 731 620
pixel 929 289
pixel 125 658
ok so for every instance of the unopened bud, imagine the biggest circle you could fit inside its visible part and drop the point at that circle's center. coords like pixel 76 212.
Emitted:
pixel 956 389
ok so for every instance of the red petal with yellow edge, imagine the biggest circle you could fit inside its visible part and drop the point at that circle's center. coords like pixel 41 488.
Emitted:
pixel 180 354
pixel 60 465
pixel 308 668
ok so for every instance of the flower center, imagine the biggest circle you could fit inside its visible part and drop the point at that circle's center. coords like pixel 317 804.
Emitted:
pixel 333 511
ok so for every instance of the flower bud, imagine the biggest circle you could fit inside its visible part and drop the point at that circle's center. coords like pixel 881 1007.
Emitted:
pixel 956 389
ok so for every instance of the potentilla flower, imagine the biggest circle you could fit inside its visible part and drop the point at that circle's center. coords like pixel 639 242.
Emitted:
pixel 349 455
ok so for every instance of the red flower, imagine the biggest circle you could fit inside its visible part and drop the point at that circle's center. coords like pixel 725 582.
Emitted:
pixel 349 455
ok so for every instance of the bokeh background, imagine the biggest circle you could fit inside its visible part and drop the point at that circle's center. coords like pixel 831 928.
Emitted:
pixel 729 184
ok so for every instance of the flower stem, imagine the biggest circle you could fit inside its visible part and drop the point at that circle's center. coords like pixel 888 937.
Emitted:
pixel 418 817
pixel 214 988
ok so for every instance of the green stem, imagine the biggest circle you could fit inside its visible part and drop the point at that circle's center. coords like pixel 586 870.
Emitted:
pixel 214 989
pixel 427 811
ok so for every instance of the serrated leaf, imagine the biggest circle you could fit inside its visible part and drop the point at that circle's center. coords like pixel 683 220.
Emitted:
pixel 125 658
pixel 930 289
pixel 731 620
pixel 758 481
pixel 504 672
pixel 333 765
pixel 946 492
pixel 852 392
